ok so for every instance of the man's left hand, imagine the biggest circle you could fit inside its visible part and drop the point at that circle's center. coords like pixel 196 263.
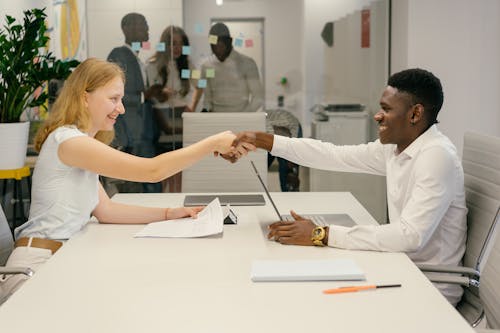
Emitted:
pixel 296 232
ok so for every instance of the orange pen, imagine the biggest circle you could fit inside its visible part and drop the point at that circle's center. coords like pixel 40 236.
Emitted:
pixel 352 289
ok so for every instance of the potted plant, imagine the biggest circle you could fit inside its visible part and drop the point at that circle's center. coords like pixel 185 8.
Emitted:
pixel 25 66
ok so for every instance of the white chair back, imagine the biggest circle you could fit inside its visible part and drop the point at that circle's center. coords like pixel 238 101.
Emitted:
pixel 216 174
pixel 480 160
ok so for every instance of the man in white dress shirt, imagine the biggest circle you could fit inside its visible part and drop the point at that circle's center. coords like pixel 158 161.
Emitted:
pixel 425 181
pixel 236 85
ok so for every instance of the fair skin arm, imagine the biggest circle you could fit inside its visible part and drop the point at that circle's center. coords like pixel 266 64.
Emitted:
pixel 108 211
pixel 90 154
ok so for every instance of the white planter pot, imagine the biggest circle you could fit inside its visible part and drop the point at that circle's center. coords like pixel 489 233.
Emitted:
pixel 13 145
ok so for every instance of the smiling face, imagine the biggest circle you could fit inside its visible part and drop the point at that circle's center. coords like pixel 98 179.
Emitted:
pixel 105 105
pixel 395 118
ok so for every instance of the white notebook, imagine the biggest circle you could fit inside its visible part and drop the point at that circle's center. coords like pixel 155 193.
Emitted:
pixel 306 270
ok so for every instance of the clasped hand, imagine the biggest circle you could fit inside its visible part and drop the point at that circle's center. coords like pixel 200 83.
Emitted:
pixel 243 143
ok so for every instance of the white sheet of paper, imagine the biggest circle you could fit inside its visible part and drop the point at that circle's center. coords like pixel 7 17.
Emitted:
pixel 209 222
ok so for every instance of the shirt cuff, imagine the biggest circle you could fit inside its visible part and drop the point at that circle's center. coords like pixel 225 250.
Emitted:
pixel 279 145
pixel 337 235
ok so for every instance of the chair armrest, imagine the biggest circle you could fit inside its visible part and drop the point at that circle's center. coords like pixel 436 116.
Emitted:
pixel 16 270
pixel 452 279
pixel 449 269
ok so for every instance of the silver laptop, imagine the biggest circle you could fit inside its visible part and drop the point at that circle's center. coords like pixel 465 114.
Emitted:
pixel 226 199
pixel 318 219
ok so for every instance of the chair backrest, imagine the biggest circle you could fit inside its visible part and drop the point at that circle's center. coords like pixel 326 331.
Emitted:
pixel 6 241
pixel 215 174
pixel 480 160
pixel 489 289
pixel 280 118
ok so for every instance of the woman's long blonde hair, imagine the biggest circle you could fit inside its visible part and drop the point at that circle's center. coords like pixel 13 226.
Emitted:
pixel 69 107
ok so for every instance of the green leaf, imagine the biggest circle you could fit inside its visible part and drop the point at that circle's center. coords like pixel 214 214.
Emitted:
pixel 20 44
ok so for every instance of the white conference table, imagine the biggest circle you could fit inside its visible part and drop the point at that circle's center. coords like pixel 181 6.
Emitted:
pixel 105 280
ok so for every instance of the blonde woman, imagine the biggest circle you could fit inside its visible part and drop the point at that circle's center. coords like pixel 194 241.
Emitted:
pixel 74 151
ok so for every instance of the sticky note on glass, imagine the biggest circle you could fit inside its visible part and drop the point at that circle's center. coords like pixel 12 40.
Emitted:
pixel 195 74
pixel 210 73
pixel 186 50
pixel 212 39
pixel 202 83
pixel 198 28
pixel 185 74
pixel 146 45
pixel 160 47
pixel 238 42
pixel 136 46
pixel 249 43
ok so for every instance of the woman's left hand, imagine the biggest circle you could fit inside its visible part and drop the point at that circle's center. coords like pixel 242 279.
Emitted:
pixel 180 212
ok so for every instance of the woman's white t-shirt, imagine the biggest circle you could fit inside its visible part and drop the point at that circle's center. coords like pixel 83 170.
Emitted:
pixel 63 197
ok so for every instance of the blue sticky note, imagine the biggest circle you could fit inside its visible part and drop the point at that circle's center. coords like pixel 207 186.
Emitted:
pixel 185 74
pixel 186 50
pixel 238 42
pixel 202 83
pixel 160 47
pixel 136 46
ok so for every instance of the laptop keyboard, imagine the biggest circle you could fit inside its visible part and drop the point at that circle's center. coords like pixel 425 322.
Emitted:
pixel 319 220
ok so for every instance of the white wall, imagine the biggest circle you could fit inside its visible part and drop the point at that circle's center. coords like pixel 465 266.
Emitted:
pixel 316 14
pixel 354 74
pixel 459 41
pixel 16 8
pixel 283 45
pixel 104 17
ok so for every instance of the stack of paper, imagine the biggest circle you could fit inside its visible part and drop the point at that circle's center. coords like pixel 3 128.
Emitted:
pixel 209 222
pixel 305 270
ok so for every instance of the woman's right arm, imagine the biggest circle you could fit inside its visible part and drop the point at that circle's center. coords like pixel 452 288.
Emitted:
pixel 90 154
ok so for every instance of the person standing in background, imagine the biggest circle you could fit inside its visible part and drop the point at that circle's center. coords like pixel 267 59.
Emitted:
pixel 236 85
pixel 133 130
pixel 171 90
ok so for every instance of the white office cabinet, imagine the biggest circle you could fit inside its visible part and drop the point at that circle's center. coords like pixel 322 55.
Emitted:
pixel 343 128
pixel 347 128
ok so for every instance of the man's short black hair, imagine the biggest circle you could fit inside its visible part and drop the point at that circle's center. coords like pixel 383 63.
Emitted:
pixel 131 18
pixel 219 29
pixel 423 87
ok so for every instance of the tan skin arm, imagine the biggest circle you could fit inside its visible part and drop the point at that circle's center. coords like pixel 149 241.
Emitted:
pixel 108 211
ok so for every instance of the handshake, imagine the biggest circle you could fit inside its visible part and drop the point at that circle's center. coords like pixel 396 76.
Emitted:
pixel 232 147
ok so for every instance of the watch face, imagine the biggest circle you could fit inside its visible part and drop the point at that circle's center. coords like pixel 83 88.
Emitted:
pixel 318 233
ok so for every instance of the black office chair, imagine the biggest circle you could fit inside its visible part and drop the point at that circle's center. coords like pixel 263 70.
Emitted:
pixel 283 122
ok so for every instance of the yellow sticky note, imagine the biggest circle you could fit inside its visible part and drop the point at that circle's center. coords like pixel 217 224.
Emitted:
pixel 212 39
pixel 195 74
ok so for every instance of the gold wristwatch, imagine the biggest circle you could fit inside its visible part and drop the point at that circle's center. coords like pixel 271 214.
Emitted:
pixel 318 235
